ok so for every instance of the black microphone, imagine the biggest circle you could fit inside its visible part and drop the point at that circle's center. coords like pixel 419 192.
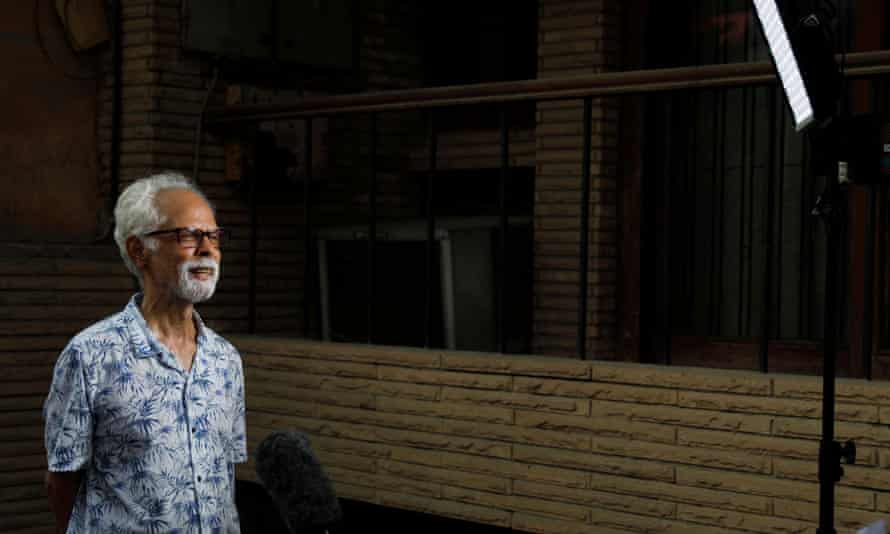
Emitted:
pixel 296 482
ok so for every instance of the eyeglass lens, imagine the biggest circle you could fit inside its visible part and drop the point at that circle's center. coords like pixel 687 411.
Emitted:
pixel 191 238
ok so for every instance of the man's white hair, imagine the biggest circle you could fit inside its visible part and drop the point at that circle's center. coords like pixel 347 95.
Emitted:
pixel 136 212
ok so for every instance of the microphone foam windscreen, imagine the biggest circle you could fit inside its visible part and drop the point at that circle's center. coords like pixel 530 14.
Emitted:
pixel 296 481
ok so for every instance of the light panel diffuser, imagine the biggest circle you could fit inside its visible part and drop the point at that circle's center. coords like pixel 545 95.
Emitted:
pixel 786 62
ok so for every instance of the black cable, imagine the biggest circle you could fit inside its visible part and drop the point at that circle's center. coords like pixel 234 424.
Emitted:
pixel 40 42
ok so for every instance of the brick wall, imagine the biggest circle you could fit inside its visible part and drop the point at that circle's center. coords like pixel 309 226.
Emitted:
pixel 559 445
pixel 575 38
pixel 46 294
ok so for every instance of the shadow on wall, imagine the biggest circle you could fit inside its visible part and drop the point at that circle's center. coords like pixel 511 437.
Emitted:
pixel 259 516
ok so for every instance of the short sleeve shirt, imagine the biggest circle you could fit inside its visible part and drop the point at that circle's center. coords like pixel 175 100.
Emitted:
pixel 157 444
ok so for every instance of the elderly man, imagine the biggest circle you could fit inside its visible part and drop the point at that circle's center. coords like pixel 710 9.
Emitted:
pixel 145 416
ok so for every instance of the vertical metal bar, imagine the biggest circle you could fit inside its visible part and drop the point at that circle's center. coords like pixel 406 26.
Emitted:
pixel 806 248
pixel 749 261
pixel 879 105
pixel 768 260
pixel 502 253
pixel 868 283
pixel 372 230
pixel 719 122
pixel 430 233
pixel 691 284
pixel 868 275
pixel 882 262
pixel 683 286
pixel 780 239
pixel 667 244
pixel 882 232
pixel 307 225
pixel 251 276
pixel 721 195
pixel 743 182
pixel 745 263
pixel 584 232
pixel 713 282
pixel 749 158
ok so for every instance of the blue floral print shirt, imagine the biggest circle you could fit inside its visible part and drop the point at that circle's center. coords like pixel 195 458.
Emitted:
pixel 157 444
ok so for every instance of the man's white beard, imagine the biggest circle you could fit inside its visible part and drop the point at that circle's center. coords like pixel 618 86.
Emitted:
pixel 192 289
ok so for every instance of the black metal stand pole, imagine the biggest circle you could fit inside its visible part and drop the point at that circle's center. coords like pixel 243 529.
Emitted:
pixel 828 467
pixel 831 207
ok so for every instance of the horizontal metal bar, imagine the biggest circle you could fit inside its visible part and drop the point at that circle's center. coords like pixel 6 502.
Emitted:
pixel 857 65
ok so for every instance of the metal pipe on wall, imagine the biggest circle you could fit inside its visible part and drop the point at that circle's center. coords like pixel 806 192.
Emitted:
pixel 858 65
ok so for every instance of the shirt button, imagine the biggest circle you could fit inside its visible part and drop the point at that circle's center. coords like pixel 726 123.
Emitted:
pixel 193 430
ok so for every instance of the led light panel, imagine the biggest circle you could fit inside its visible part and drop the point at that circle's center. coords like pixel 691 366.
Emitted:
pixel 786 62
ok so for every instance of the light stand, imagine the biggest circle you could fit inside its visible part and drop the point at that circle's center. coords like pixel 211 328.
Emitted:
pixel 796 32
pixel 849 150
pixel 831 207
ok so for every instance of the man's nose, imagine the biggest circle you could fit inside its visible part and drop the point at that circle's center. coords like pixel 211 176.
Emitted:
pixel 204 248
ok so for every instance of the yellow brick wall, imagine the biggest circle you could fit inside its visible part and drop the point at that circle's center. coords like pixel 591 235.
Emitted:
pixel 556 445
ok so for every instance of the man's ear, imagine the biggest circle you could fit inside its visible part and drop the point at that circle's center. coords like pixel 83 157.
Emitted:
pixel 137 252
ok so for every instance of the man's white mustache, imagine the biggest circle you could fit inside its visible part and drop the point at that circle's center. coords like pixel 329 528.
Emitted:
pixel 203 263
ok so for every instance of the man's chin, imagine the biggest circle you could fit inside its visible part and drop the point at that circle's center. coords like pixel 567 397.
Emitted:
pixel 196 295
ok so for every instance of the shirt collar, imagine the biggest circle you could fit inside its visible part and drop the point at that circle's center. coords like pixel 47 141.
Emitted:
pixel 145 343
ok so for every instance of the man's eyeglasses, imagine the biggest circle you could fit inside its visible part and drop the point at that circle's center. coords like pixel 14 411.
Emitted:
pixel 191 237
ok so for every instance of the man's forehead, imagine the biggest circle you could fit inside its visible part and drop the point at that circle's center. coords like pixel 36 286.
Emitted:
pixel 184 206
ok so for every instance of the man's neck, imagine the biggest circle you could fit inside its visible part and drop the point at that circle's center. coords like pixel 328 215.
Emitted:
pixel 171 319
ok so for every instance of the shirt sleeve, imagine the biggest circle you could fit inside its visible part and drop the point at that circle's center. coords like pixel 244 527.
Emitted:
pixel 68 434
pixel 238 441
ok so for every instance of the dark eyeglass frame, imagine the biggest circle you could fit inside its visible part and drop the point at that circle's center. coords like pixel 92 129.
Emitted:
pixel 216 237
